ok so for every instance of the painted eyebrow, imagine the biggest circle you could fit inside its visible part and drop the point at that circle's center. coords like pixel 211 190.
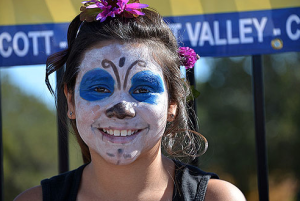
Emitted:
pixel 149 78
pixel 94 77
pixel 146 75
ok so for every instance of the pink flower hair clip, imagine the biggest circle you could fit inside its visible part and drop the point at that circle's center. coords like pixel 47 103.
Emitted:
pixel 101 9
pixel 188 57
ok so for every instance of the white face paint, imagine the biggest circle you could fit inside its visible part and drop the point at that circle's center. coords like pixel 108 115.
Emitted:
pixel 121 102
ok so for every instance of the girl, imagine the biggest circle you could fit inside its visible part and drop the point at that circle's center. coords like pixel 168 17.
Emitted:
pixel 124 95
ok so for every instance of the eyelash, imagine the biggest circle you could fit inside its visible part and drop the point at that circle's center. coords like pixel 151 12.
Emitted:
pixel 101 90
pixel 145 90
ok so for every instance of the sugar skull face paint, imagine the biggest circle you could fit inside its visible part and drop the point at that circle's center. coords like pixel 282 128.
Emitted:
pixel 121 102
pixel 96 85
pixel 145 87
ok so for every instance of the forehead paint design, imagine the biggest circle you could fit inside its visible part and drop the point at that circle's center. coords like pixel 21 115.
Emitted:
pixel 122 62
pixel 95 80
pixel 107 63
pixel 145 86
pixel 140 63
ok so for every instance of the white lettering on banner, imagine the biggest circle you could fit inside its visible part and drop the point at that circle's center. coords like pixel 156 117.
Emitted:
pixel 231 40
pixel 175 27
pixel 245 30
pixel 290 20
pixel 248 28
pixel 34 35
pixel 3 52
pixel 47 35
pixel 206 35
pixel 260 27
pixel 63 45
pixel 219 41
pixel 13 43
pixel 193 36
pixel 44 34
pixel 276 32
pixel 23 37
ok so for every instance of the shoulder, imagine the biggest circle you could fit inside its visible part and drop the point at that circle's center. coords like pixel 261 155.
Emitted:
pixel 220 190
pixel 186 170
pixel 34 193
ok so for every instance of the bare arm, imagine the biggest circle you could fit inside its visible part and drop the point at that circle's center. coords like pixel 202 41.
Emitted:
pixel 31 194
pixel 219 190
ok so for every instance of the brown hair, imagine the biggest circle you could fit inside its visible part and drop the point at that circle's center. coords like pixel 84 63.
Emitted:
pixel 151 30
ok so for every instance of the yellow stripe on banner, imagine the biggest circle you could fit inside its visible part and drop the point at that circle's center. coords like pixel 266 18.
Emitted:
pixel 25 12
pixel 54 11
pixel 14 12
pixel 198 7
pixel 6 12
pixel 62 12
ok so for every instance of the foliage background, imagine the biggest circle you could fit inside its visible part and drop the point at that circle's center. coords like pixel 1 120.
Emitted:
pixel 225 113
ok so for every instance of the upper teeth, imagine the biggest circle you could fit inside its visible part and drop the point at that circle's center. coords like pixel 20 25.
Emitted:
pixel 119 132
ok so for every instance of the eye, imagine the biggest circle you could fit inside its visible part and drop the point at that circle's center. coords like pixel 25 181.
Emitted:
pixel 141 91
pixel 101 90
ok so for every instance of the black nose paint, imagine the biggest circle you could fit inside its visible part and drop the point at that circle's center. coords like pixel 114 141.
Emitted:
pixel 121 111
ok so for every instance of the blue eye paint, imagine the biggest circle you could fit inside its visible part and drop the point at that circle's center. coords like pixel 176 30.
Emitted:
pixel 96 84
pixel 145 87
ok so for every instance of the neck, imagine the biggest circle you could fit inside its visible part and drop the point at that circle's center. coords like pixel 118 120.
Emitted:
pixel 149 173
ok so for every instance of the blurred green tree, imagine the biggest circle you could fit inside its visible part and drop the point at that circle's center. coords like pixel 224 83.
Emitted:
pixel 29 140
pixel 225 112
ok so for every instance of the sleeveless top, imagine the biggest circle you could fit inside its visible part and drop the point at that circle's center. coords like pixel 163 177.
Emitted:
pixel 190 184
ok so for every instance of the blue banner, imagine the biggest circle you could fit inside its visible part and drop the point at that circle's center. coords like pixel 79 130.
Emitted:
pixel 240 33
pixel 31 44
pixel 211 35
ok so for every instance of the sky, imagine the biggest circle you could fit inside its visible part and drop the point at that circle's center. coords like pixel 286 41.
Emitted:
pixel 31 79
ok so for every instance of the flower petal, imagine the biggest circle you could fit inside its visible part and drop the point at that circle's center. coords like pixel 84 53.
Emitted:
pixel 92 6
pixel 93 1
pixel 100 17
pixel 123 1
pixel 135 12
pixel 136 5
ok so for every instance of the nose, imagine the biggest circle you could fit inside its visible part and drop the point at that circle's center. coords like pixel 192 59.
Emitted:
pixel 121 110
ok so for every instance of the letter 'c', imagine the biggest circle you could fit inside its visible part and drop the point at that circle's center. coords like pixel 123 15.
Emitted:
pixel 290 20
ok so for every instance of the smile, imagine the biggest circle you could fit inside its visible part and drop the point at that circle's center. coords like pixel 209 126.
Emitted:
pixel 116 132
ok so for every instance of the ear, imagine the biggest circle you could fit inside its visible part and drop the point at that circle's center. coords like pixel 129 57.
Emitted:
pixel 71 108
pixel 172 111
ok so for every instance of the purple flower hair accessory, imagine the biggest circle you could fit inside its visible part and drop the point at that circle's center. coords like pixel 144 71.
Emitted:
pixel 101 9
pixel 188 57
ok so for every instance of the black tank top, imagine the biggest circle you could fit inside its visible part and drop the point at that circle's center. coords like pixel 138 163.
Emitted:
pixel 190 184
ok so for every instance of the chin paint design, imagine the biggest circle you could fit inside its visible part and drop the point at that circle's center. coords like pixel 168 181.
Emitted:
pixel 120 102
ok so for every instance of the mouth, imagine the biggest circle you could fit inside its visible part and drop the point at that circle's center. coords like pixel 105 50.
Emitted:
pixel 119 133
pixel 117 136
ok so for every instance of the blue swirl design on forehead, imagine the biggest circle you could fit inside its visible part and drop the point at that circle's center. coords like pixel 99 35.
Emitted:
pixel 146 87
pixel 96 84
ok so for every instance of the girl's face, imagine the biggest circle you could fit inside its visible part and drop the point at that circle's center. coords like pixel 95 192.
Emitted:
pixel 121 102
